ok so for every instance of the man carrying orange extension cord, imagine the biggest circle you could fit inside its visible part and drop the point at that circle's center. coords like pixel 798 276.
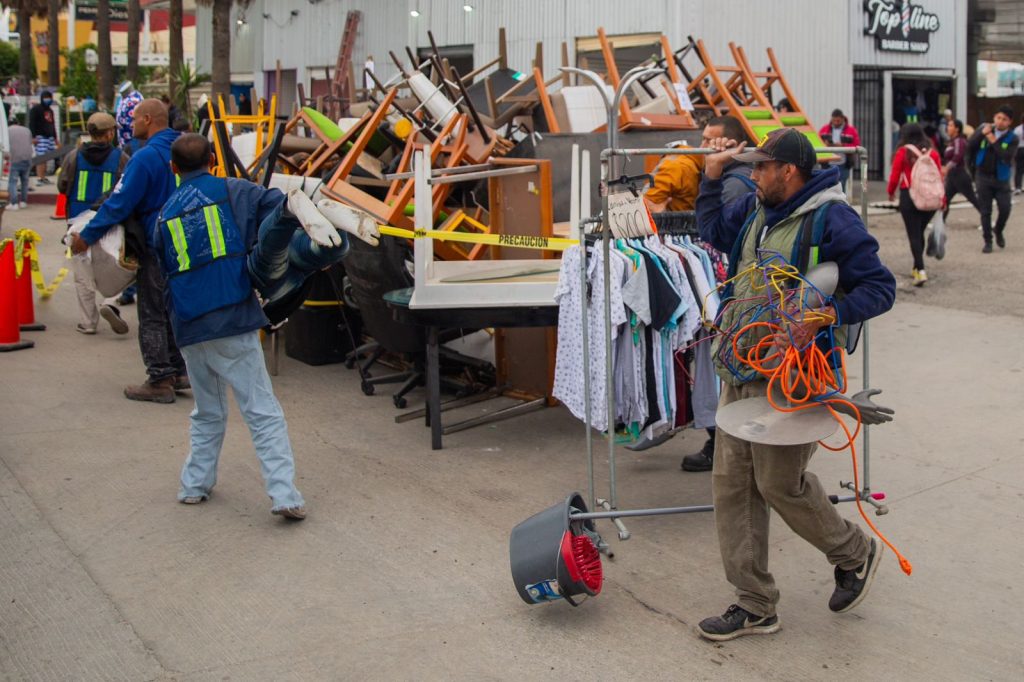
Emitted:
pixel 750 479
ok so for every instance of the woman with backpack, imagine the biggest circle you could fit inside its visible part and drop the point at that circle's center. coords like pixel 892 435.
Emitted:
pixel 958 180
pixel 916 172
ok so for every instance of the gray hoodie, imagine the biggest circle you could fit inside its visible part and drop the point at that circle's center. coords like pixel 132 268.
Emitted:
pixel 21 144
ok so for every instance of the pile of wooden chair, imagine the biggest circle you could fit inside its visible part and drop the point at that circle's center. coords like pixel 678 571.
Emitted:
pixel 469 122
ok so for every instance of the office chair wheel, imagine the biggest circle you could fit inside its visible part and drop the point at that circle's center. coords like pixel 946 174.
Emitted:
pixel 399 402
pixel 367 388
pixel 350 362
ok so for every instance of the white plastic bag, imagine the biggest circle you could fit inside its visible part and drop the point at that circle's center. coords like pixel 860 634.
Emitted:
pixel 937 238
pixel 105 261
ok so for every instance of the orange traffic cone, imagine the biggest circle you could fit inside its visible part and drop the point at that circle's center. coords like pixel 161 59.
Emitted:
pixel 23 293
pixel 10 334
pixel 60 211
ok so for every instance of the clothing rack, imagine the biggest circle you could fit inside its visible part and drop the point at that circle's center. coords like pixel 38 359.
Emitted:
pixel 579 208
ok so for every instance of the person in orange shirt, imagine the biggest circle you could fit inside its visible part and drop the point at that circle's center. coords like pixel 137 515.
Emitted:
pixel 676 184
pixel 677 178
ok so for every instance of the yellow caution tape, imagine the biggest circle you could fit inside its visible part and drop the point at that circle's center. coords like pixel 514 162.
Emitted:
pixel 518 241
pixel 24 239
pixel 322 304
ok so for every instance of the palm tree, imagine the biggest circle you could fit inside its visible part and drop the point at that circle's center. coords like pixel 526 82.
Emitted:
pixel 221 66
pixel 105 69
pixel 25 9
pixel 134 26
pixel 53 40
pixel 177 50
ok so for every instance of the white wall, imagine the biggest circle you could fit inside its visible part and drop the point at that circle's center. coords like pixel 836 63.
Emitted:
pixel 817 64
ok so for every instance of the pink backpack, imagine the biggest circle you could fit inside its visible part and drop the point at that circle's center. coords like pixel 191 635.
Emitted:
pixel 926 188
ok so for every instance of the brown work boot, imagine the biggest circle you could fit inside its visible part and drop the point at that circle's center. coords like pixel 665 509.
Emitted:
pixel 181 383
pixel 155 392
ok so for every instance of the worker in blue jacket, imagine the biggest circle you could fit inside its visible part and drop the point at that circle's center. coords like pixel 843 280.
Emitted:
pixel 137 199
pixel 750 479
pixel 216 240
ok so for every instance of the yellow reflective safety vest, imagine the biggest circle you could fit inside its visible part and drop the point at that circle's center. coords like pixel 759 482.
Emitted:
pixel 202 251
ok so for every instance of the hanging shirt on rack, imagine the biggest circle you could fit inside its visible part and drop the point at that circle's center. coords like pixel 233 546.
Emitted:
pixel 630 396
pixel 572 300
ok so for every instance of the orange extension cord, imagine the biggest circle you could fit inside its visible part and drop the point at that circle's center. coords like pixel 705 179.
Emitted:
pixel 802 376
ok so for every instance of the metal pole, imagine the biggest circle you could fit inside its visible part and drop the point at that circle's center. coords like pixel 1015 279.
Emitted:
pixel 866 442
pixel 666 511
pixel 598 83
pixel 576 218
pixel 613 136
pixel 457 170
pixel 481 175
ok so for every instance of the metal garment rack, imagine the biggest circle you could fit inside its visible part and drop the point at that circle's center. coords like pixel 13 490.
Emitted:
pixel 580 195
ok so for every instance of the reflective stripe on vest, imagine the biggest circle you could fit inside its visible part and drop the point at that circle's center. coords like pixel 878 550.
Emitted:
pixel 90 181
pixel 177 231
pixel 214 229
pixel 83 184
pixel 202 249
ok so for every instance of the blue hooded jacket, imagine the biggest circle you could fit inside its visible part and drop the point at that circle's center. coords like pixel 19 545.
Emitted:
pixel 869 286
pixel 252 206
pixel 146 183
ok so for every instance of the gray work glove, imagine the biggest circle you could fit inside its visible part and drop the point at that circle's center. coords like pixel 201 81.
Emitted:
pixel 358 223
pixel 870 413
pixel 319 228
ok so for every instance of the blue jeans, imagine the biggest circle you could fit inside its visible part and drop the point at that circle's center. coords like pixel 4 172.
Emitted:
pixel 844 175
pixel 19 171
pixel 284 257
pixel 213 366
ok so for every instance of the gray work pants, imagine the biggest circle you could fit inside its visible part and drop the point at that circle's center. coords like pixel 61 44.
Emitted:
pixel 156 340
pixel 748 480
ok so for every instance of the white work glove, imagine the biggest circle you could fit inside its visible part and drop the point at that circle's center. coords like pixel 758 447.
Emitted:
pixel 316 226
pixel 351 220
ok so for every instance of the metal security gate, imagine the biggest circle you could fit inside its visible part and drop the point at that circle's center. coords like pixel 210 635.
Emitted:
pixel 869 117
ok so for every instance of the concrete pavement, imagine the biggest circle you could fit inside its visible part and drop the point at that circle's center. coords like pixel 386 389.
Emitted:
pixel 401 570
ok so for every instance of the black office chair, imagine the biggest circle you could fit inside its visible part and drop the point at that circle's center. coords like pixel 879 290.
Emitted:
pixel 372 272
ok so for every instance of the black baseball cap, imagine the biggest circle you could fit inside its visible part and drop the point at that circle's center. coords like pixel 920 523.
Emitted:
pixel 783 144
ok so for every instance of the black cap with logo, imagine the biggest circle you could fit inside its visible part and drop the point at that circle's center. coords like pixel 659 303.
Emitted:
pixel 786 145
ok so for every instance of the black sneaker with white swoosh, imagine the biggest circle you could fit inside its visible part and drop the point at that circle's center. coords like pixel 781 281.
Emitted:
pixel 852 586
pixel 736 622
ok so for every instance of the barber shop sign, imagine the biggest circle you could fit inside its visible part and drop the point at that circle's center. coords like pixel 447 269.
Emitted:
pixel 899 25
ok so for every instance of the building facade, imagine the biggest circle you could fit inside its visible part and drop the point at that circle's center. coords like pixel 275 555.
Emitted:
pixel 866 57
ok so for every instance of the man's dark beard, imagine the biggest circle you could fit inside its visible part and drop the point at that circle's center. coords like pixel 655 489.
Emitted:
pixel 765 201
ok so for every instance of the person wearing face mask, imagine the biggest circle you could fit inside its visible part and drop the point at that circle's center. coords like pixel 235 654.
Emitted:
pixel 993 147
pixel 44 132
pixel 749 480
